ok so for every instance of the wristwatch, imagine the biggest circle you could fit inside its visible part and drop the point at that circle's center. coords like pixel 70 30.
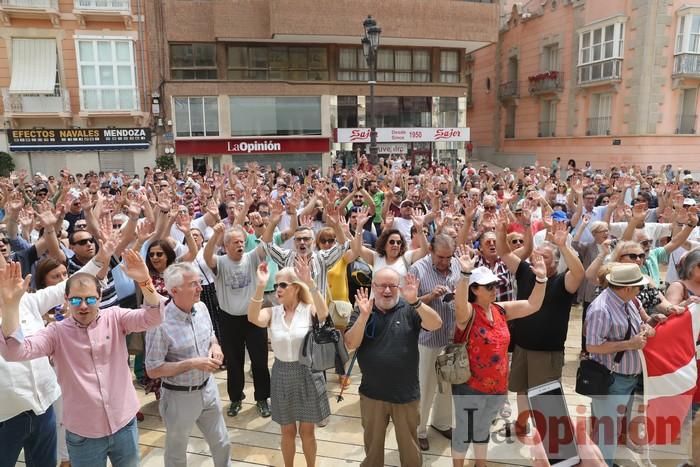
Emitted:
pixel 416 305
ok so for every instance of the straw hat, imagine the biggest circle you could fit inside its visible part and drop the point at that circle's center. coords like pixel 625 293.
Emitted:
pixel 626 275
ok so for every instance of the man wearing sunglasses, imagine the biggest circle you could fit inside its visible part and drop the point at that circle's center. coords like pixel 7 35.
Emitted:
pixel 91 360
pixel 439 273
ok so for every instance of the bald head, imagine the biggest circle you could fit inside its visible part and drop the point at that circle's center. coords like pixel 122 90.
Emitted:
pixel 385 286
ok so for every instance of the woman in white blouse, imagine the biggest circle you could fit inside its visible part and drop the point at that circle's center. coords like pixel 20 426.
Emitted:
pixel 298 396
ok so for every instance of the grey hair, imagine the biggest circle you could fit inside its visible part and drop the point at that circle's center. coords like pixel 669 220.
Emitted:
pixel 687 263
pixel 120 217
pixel 174 275
pixel 597 225
pixel 443 240
pixel 232 230
pixel 553 247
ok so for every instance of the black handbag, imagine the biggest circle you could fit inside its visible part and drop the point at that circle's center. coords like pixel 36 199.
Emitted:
pixel 323 347
pixel 593 378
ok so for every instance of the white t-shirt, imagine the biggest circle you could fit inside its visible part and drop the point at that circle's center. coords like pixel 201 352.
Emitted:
pixel 404 227
pixel 401 264
pixel 235 282
pixel 286 339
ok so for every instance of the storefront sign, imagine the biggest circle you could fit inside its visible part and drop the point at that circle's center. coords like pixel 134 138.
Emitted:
pixel 79 139
pixel 388 148
pixel 184 147
pixel 403 135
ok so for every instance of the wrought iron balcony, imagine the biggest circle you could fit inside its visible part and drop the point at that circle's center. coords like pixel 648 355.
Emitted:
pixel 599 126
pixel 686 124
pixel 545 83
pixel 686 65
pixel 546 129
pixel 103 5
pixel 508 90
pixel 56 103
pixel 599 72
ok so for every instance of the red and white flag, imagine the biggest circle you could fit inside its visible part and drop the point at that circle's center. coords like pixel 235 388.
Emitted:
pixel 670 375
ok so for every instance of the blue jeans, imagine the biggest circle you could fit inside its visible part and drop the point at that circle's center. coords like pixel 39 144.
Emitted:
pixel 609 411
pixel 35 433
pixel 122 448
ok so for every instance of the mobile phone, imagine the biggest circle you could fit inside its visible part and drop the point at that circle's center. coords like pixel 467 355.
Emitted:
pixel 552 421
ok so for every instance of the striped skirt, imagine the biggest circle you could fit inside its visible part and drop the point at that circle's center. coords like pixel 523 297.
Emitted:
pixel 297 394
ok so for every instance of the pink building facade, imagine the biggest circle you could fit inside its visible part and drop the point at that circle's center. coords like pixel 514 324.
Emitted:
pixel 612 82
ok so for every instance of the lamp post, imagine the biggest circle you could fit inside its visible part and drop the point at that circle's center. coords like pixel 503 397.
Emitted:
pixel 370 45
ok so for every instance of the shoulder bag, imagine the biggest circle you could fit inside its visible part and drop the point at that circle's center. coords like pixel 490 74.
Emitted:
pixel 593 378
pixel 323 347
pixel 338 310
pixel 452 365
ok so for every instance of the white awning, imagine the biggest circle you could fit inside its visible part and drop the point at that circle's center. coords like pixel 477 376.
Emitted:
pixel 33 66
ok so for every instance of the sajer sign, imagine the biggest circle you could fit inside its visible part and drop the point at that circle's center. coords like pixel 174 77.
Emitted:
pixel 184 147
pixel 79 139
pixel 403 135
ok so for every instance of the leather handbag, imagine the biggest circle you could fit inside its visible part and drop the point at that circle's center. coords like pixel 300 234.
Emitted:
pixel 452 365
pixel 340 311
pixel 593 378
pixel 323 347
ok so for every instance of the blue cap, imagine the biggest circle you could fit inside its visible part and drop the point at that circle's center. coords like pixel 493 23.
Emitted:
pixel 559 216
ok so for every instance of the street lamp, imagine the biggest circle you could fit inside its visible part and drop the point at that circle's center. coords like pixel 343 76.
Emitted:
pixel 370 45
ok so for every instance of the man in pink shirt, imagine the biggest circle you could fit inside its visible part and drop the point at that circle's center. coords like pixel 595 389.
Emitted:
pixel 91 360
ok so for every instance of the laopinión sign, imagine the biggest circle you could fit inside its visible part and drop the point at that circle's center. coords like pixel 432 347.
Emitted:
pixel 79 139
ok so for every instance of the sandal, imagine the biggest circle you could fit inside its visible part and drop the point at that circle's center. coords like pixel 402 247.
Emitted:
pixel 506 410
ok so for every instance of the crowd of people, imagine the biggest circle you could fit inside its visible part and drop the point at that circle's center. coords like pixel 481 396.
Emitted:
pixel 168 277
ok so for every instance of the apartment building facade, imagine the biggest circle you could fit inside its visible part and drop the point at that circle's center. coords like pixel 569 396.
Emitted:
pixel 286 80
pixel 611 82
pixel 74 86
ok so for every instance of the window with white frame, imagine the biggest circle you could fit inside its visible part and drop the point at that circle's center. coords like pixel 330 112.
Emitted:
pixel 196 116
pixel 548 118
pixel 551 57
pixel 107 74
pixel 600 52
pixel 688 34
pixel 600 114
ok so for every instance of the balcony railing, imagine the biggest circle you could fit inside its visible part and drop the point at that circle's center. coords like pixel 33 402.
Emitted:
pixel 508 90
pixel 608 70
pixel 599 126
pixel 58 102
pixel 686 64
pixel 546 129
pixel 543 83
pixel 686 124
pixel 31 4
pixel 103 5
pixel 509 131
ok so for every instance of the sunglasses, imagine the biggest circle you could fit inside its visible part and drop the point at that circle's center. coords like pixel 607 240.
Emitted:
pixel 5 240
pixel 489 287
pixel 77 301
pixel 395 242
pixel 327 240
pixel 156 254
pixel 489 208
pixel 84 241
pixel 635 256
pixel 517 241
pixel 280 285
pixel 117 226
pixel 80 226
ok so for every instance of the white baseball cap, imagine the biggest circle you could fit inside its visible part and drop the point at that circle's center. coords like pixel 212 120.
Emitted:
pixel 689 202
pixel 482 276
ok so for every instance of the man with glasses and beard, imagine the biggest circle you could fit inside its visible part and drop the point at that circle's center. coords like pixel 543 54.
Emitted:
pixel 385 331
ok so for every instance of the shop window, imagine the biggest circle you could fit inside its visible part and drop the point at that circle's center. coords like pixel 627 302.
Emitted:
pixel 107 75
pixel 277 63
pixel 448 115
pixel 402 111
pixel 193 61
pixel 275 116
pixel 196 116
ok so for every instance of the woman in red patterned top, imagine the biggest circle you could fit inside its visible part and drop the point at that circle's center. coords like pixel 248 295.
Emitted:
pixel 481 322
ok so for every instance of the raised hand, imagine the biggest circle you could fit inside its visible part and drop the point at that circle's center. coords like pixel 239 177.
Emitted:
pixel 182 221
pixel 306 221
pixel 134 266
pixel 108 247
pixel 560 235
pixel 410 288
pixel 467 258
pixel 538 267
pixel 219 229
pixel 12 286
pixel 263 274
pixel 363 302
pixel 302 267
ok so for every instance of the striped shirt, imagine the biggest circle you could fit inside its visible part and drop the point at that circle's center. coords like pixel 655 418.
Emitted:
pixel 181 336
pixel 606 321
pixel 109 290
pixel 321 261
pixel 429 278
pixel 505 290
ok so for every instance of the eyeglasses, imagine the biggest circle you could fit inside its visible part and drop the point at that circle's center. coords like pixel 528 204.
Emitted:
pixel 645 242
pixel 302 239
pixel 156 254
pixel 489 287
pixel 391 287
pixel 84 241
pixel 517 241
pixel 281 285
pixel 395 242
pixel 635 256
pixel 77 301
pixel 327 240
